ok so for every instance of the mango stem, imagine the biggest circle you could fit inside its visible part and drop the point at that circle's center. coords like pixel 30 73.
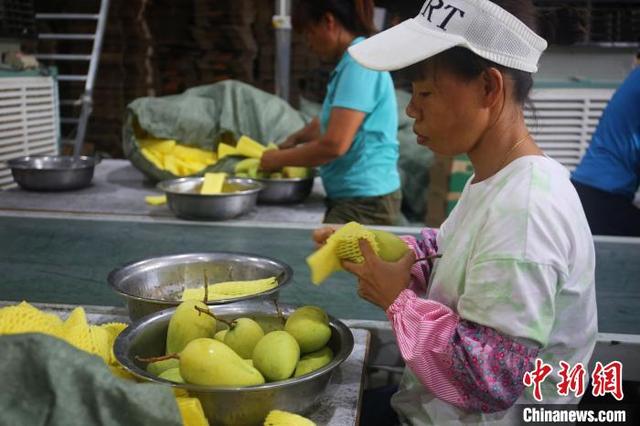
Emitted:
pixel 158 358
pixel 231 324
pixel 206 287
pixel 279 311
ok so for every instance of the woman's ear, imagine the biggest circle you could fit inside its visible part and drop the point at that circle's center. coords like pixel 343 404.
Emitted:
pixel 329 21
pixel 493 87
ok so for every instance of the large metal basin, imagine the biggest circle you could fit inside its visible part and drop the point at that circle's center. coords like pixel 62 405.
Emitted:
pixel 236 406
pixel 185 201
pixel 52 172
pixel 157 283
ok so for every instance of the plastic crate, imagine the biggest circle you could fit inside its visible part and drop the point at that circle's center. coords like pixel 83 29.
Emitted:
pixel 17 19
pixel 29 120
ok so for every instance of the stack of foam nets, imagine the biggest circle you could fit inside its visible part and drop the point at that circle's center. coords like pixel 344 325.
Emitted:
pixel 58 371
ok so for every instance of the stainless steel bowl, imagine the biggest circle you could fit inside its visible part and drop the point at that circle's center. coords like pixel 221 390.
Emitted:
pixel 285 191
pixel 236 405
pixel 185 200
pixel 52 172
pixel 157 283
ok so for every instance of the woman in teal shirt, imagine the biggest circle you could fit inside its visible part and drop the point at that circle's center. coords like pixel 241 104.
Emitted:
pixel 354 141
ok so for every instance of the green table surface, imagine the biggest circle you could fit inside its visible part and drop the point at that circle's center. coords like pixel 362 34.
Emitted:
pixel 67 261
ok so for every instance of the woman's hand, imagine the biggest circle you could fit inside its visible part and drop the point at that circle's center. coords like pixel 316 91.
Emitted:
pixel 321 235
pixel 270 161
pixel 290 142
pixel 381 282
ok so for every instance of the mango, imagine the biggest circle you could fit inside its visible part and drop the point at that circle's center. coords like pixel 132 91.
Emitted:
pixel 209 362
pixel 243 336
pixel 313 361
pixel 309 325
pixel 276 355
pixel 158 367
pixel 343 244
pixel 172 375
pixel 187 324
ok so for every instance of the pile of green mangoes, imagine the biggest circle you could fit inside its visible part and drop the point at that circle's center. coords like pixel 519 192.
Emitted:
pixel 241 354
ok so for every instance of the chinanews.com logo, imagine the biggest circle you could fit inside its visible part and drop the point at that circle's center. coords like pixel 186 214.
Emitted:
pixel 606 380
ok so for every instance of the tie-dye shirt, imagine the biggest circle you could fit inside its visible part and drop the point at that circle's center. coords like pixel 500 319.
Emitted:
pixel 515 282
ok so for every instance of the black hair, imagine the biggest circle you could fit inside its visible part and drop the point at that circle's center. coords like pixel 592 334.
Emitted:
pixel 467 65
pixel 355 15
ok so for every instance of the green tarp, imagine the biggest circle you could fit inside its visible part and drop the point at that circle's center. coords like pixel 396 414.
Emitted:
pixel 46 381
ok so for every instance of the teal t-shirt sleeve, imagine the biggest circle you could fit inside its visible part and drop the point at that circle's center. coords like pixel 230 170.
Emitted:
pixel 356 88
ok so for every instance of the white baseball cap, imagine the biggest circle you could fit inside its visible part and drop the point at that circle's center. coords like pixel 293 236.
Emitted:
pixel 479 25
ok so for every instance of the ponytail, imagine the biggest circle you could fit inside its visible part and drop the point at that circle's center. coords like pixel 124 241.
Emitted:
pixel 355 15
pixel 364 17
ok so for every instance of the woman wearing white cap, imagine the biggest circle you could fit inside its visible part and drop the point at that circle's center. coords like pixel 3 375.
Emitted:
pixel 516 278
pixel 354 141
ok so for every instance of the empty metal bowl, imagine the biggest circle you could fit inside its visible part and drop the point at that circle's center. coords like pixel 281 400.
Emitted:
pixel 157 283
pixel 52 172
pixel 184 198
pixel 236 405
pixel 285 191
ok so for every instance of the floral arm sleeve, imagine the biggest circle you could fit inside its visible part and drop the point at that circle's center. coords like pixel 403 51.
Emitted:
pixel 426 246
pixel 471 366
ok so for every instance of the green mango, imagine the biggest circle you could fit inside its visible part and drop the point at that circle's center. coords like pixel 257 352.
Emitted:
pixel 309 325
pixel 245 165
pixel 252 172
pixel 313 361
pixel 187 324
pixel 172 374
pixel 390 247
pixel 243 336
pixel 296 172
pixel 276 355
pixel 209 362
pixel 343 244
pixel 220 335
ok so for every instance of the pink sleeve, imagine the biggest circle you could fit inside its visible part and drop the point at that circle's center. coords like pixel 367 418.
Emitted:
pixel 426 246
pixel 465 364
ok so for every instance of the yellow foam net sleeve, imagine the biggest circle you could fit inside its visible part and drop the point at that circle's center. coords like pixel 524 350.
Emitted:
pixel 95 339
